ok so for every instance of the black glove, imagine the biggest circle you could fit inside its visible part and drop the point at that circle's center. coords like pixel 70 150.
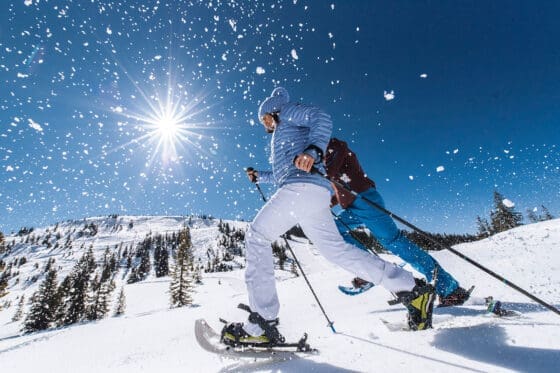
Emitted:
pixel 252 174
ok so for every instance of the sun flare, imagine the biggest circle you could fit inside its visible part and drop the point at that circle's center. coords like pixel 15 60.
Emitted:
pixel 167 127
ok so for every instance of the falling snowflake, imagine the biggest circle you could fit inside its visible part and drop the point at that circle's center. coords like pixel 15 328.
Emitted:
pixel 36 126
pixel 440 169
pixel 294 54
pixel 389 95
pixel 260 70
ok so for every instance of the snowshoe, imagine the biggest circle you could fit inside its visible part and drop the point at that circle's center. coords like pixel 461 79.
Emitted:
pixel 350 290
pixel 495 307
pixel 456 298
pixel 234 335
pixel 419 303
pixel 212 342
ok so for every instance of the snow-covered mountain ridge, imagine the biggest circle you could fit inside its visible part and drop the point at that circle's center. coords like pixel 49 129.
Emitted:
pixel 66 242
pixel 152 337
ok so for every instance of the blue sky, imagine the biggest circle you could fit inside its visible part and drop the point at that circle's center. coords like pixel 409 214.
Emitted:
pixel 85 85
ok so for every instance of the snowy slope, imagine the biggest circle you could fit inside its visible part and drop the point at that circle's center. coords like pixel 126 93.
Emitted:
pixel 152 338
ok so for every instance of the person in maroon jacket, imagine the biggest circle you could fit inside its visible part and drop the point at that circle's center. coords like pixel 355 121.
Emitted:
pixel 343 166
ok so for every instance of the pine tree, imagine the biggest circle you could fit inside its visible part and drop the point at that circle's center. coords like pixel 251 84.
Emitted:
pixel 62 294
pixel 91 298
pixel 19 310
pixel 121 303
pixel 99 298
pixel 145 266
pixel 43 306
pixel 546 214
pixel 2 244
pixel 3 285
pixel 503 217
pixel 532 216
pixel 107 269
pixel 181 282
pixel 77 294
pixel 142 270
pixel 483 227
pixel 161 261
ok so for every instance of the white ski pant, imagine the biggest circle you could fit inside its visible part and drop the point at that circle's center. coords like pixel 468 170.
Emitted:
pixel 308 205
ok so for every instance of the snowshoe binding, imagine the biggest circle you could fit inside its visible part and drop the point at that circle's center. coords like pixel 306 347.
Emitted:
pixel 419 303
pixel 234 335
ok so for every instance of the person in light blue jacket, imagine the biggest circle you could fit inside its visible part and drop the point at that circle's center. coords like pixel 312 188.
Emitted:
pixel 300 134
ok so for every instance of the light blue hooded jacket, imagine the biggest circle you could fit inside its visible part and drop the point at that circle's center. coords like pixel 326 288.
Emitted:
pixel 301 129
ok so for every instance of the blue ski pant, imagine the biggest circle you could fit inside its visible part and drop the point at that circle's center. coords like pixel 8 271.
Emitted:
pixel 384 229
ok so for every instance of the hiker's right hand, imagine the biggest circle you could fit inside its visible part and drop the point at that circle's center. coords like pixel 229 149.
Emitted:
pixel 252 174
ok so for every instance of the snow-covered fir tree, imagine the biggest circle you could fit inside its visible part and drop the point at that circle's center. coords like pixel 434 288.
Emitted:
pixel 181 280
pixel 43 305
pixel 484 229
pixel 504 216
pixel 535 218
pixel 121 303
pixel 145 265
pixel 161 260
pixel 3 285
pixel 76 295
pixel 109 266
pixel 2 243
pixel 99 298
pixel 18 315
pixel 142 270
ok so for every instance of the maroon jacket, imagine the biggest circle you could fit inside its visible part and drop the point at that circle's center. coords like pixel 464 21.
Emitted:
pixel 343 166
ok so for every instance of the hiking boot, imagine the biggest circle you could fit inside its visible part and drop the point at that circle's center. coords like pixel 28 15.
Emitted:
pixel 233 334
pixel 455 298
pixel 420 304
pixel 359 283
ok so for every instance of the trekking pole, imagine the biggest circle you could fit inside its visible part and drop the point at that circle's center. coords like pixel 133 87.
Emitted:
pixel 426 236
pixel 330 323
pixel 257 184
pixel 354 235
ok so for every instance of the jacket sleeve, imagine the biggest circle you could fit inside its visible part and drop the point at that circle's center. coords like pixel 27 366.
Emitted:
pixel 266 177
pixel 336 155
pixel 320 130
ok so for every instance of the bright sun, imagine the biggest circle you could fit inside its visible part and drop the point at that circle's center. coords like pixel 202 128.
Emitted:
pixel 167 127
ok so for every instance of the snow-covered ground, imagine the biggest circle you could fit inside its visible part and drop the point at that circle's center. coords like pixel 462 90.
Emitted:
pixel 150 337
